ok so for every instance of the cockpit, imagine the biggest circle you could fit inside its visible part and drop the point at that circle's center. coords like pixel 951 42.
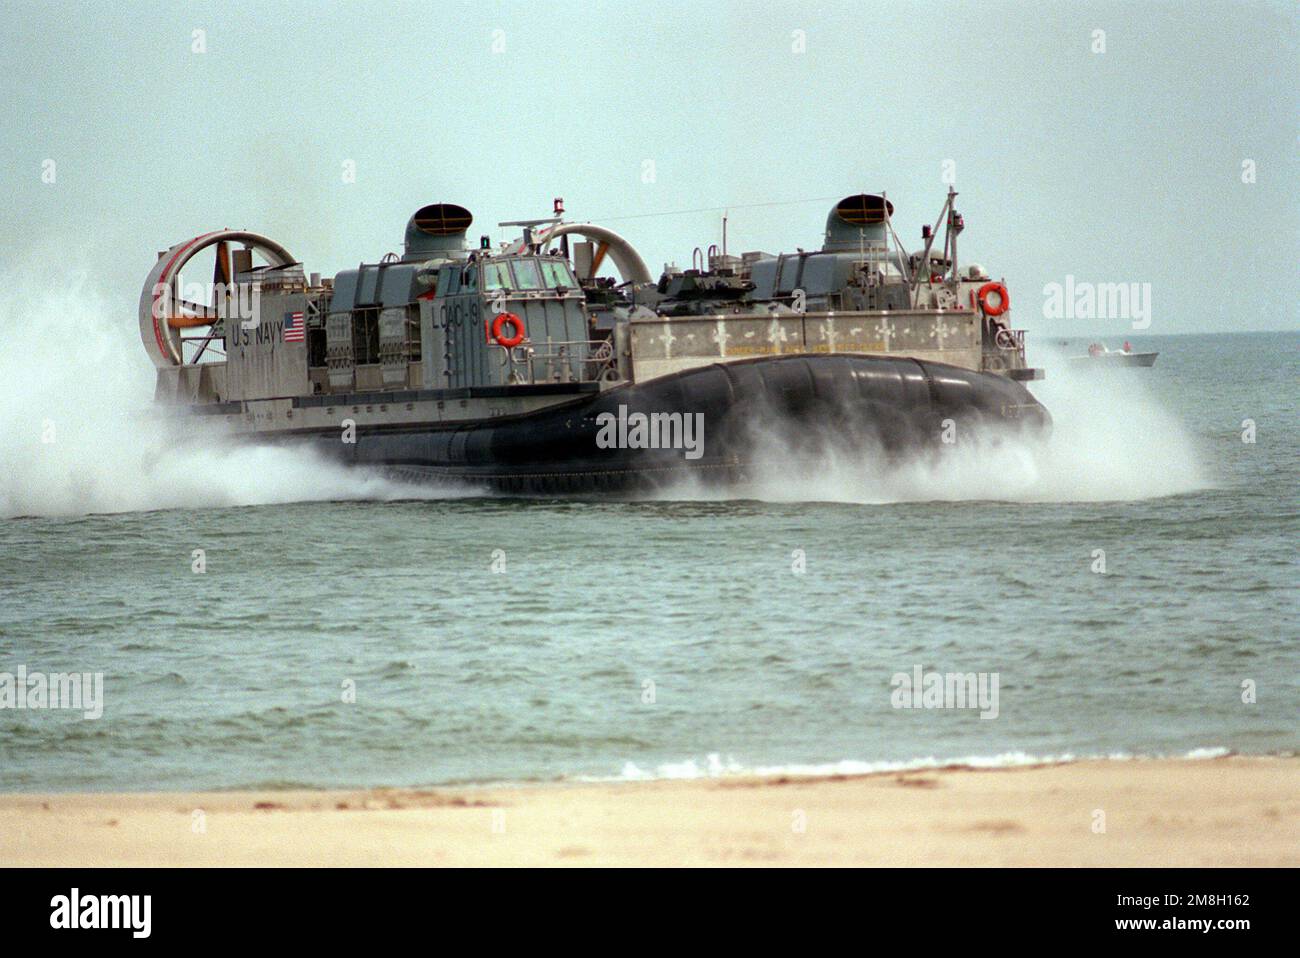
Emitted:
pixel 509 273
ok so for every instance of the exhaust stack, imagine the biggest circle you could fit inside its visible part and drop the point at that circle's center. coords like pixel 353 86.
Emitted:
pixel 857 221
pixel 436 229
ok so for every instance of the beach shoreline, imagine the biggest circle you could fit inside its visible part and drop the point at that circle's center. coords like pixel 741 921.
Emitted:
pixel 1228 811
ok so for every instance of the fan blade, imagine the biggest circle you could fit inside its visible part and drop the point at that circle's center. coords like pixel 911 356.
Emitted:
pixel 221 268
pixel 189 322
pixel 599 258
pixel 198 309
pixel 221 273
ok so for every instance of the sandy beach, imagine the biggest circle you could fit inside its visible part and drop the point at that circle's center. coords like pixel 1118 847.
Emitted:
pixel 1227 811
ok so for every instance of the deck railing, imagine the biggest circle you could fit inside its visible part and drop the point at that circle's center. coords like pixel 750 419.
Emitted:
pixel 1011 341
pixel 578 360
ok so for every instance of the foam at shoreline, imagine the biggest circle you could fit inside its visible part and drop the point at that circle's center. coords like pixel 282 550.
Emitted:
pixel 714 766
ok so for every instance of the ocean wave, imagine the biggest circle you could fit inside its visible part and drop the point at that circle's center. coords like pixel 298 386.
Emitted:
pixel 715 766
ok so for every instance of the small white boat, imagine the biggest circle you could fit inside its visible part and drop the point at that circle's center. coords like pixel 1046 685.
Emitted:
pixel 1099 354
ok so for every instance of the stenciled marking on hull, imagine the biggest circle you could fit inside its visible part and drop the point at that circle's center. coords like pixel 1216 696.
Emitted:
pixel 886 330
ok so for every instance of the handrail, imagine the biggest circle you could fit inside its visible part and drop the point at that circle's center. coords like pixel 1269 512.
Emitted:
pixel 593 359
pixel 1011 341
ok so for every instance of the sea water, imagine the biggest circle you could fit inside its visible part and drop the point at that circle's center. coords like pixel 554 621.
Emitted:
pixel 260 618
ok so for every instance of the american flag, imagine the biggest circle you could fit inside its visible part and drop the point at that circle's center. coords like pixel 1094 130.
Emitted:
pixel 294 328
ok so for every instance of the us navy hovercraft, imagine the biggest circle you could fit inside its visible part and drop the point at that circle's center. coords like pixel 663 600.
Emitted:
pixel 519 368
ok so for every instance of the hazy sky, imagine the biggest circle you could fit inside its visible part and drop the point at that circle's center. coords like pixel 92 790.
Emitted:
pixel 1119 166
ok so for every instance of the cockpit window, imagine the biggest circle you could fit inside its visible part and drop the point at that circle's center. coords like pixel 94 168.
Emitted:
pixel 496 276
pixel 527 275
pixel 556 273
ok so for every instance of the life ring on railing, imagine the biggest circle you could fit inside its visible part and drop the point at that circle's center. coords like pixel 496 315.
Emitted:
pixel 1004 299
pixel 509 342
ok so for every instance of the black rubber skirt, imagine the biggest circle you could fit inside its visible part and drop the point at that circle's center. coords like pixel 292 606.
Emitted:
pixel 636 436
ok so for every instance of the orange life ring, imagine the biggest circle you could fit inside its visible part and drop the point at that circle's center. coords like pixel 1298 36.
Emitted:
pixel 509 342
pixel 1004 299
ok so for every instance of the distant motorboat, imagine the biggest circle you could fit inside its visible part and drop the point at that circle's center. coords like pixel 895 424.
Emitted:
pixel 1098 353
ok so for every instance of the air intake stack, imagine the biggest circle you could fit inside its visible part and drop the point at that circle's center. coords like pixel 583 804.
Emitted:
pixel 436 231
pixel 858 222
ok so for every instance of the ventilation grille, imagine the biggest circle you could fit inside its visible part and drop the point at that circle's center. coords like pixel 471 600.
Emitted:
pixel 443 219
pixel 865 209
